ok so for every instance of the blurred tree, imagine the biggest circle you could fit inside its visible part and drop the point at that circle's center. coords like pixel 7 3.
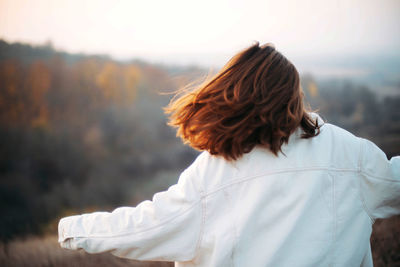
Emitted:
pixel 81 131
pixel 74 136
pixel 38 83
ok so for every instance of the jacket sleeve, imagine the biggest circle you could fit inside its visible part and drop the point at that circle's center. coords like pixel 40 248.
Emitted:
pixel 380 181
pixel 167 228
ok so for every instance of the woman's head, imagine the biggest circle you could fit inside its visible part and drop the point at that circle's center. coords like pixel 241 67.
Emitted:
pixel 255 99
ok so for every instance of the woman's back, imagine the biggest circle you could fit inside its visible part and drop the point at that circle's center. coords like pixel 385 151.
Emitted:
pixel 303 209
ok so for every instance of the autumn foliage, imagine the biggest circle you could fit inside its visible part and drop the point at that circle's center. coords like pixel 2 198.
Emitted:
pixel 82 133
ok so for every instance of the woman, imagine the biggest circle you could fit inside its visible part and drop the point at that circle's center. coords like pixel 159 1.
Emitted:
pixel 274 185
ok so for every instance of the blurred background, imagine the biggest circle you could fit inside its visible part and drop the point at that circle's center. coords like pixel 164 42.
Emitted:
pixel 83 83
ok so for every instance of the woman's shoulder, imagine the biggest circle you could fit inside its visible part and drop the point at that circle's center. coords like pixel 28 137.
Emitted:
pixel 328 128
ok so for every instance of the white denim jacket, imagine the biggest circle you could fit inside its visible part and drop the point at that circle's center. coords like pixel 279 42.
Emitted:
pixel 314 205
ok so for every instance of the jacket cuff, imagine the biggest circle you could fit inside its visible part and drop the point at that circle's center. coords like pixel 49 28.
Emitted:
pixel 64 228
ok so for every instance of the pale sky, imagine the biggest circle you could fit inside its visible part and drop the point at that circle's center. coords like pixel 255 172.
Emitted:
pixel 205 32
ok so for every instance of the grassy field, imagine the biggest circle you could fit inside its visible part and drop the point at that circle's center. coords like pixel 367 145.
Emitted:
pixel 45 251
pixel 385 242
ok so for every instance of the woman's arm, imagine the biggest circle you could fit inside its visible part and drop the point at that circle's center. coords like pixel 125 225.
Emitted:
pixel 166 228
pixel 380 181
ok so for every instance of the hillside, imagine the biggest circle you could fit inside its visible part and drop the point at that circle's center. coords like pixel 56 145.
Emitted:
pixel 85 132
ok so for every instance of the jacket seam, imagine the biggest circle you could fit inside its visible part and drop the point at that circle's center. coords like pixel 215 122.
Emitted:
pixel 142 231
pixel 334 216
pixel 359 167
pixel 379 177
pixel 241 180
pixel 203 220
pixel 203 213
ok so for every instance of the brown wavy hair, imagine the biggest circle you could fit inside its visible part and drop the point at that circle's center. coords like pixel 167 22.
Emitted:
pixel 255 99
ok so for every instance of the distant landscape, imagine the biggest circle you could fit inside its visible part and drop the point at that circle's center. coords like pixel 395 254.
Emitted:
pixel 87 132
